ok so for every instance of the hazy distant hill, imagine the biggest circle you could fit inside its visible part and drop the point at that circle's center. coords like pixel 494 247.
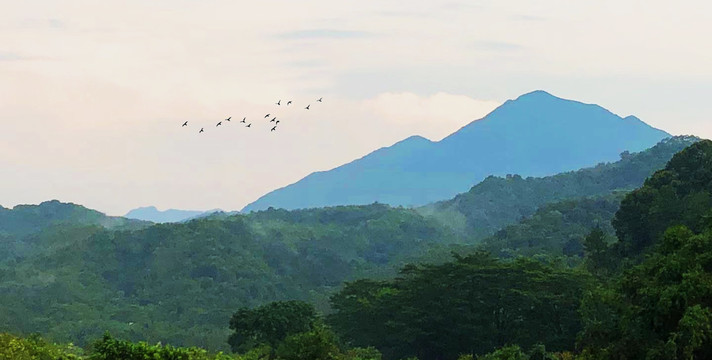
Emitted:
pixel 535 135
pixel 150 213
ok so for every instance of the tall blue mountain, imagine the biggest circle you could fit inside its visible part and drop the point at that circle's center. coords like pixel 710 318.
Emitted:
pixel 537 134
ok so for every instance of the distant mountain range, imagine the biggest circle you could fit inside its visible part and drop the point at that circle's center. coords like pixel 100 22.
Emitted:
pixel 150 213
pixel 537 134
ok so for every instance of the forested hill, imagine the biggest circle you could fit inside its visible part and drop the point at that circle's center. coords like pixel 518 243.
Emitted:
pixel 179 283
pixel 497 202
pixel 26 219
pixel 537 134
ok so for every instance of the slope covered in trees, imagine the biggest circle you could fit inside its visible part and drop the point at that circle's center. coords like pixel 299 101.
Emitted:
pixel 556 229
pixel 497 202
pixel 179 283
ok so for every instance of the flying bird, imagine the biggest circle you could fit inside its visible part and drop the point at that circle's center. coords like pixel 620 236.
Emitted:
pixel 289 102
pixel 266 116
pixel 185 124
pixel 319 100
pixel 201 130
pixel 308 107
pixel 243 120
pixel 228 119
pixel 274 128
pixel 279 102
pixel 248 125
pixel 219 123
pixel 277 122
pixel 273 119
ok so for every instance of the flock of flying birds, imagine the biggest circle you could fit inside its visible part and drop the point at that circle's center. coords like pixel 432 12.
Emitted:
pixel 244 119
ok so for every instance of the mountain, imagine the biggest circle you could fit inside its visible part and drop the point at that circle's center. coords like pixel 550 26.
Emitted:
pixel 497 202
pixel 537 134
pixel 150 213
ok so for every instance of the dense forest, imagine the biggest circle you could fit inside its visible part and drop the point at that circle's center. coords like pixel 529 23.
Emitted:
pixel 607 273
pixel 497 202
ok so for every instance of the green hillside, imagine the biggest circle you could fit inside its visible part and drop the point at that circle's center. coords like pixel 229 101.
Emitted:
pixel 179 283
pixel 497 202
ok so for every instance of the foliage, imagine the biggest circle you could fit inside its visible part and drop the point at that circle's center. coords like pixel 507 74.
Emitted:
pixel 497 202
pixel 318 343
pixel 557 228
pixel 109 348
pixel 35 348
pixel 270 324
pixel 368 353
pixel 660 309
pixel 470 305
pixel 512 352
pixel 680 194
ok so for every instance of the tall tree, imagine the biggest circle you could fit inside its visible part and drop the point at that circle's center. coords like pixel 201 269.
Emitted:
pixel 270 324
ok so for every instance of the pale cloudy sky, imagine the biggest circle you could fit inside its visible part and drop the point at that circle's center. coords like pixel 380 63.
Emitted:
pixel 92 93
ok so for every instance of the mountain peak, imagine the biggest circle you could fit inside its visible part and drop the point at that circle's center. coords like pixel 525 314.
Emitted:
pixel 537 94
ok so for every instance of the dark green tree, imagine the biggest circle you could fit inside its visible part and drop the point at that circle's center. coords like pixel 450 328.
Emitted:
pixel 270 324
pixel 660 309
pixel 677 195
pixel 471 305
pixel 316 344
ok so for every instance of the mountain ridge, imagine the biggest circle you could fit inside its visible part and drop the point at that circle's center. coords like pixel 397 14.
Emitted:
pixel 152 214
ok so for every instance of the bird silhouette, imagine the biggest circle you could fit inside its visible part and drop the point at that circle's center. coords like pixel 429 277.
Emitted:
pixel 219 123
pixel 243 120
pixel 248 125
pixel 289 102
pixel 201 130
pixel 308 107
pixel 279 102
pixel 274 128
pixel 276 122
pixel 184 124
pixel 273 119
pixel 266 116
pixel 228 119
pixel 319 100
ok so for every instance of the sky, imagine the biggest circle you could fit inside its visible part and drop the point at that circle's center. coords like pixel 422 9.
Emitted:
pixel 92 94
